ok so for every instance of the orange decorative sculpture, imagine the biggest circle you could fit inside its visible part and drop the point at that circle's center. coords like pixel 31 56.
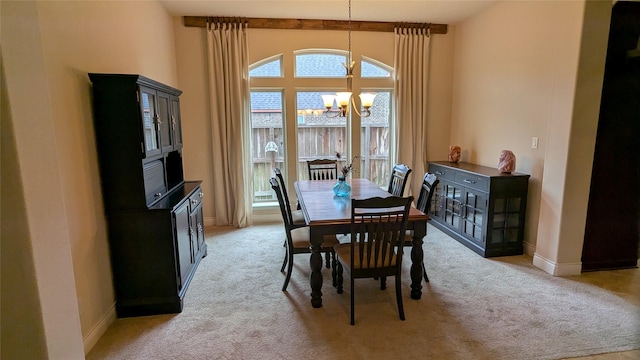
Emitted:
pixel 454 154
pixel 507 162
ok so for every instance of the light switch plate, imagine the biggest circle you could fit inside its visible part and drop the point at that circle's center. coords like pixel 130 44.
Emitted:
pixel 534 142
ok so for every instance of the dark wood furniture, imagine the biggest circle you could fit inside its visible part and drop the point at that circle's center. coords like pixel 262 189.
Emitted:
pixel 612 228
pixel 155 219
pixel 480 207
pixel 297 238
pixel 398 181
pixel 297 217
pixel 322 169
pixel 429 183
pixel 327 214
pixel 378 227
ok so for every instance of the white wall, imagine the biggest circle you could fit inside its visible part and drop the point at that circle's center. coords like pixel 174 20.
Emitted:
pixel 48 47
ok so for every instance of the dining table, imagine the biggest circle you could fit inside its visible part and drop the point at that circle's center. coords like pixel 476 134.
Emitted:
pixel 327 214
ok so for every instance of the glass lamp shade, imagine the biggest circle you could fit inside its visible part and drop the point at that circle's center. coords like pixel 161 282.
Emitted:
pixel 328 100
pixel 342 98
pixel 367 99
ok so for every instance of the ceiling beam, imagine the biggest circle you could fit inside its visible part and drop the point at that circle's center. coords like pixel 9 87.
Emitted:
pixel 310 24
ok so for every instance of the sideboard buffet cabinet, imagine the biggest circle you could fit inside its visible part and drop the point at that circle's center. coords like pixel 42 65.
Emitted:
pixel 154 216
pixel 480 207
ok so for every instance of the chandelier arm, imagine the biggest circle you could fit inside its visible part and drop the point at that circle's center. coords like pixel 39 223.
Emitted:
pixel 335 113
pixel 354 106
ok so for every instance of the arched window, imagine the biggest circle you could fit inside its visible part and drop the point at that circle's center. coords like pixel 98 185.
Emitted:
pixel 316 72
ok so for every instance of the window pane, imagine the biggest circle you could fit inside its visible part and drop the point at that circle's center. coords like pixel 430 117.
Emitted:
pixel 375 139
pixel 267 141
pixel 319 137
pixel 320 65
pixel 271 68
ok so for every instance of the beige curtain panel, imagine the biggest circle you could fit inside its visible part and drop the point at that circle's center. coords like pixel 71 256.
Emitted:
pixel 411 85
pixel 228 68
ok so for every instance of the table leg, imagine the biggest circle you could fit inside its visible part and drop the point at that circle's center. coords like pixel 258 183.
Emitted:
pixel 316 276
pixel 417 257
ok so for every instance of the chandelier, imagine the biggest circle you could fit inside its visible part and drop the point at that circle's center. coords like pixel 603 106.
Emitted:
pixel 345 98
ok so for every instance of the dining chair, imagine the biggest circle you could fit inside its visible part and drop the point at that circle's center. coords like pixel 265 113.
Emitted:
pixel 377 237
pixel 429 183
pixel 322 169
pixel 398 181
pixel 298 239
pixel 296 215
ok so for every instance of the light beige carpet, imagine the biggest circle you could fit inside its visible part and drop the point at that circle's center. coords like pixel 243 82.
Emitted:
pixel 473 308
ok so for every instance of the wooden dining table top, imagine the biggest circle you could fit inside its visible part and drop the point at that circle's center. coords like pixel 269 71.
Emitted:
pixel 321 207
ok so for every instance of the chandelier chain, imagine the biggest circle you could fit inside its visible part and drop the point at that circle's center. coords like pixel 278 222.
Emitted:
pixel 345 99
pixel 349 59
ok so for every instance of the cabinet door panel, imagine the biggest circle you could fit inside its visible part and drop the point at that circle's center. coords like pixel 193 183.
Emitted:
pixel 435 209
pixel 200 227
pixel 475 204
pixel 164 123
pixel 183 241
pixel 148 108
pixel 176 126
pixel 506 220
pixel 452 207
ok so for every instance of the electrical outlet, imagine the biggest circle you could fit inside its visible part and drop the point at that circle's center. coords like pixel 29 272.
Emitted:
pixel 534 142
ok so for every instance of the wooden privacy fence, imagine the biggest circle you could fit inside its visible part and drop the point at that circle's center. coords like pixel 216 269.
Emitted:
pixel 317 142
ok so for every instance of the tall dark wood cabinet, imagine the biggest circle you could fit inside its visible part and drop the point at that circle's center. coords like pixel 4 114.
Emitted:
pixel 155 219
pixel 612 229
pixel 480 207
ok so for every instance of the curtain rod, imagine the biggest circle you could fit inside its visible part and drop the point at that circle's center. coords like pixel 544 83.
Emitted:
pixel 309 24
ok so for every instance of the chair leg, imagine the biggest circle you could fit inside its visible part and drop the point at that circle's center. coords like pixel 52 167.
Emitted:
pixel 353 302
pixel 289 268
pixel 383 283
pixel 424 269
pixel 286 257
pixel 328 260
pixel 399 296
pixel 339 278
pixel 334 270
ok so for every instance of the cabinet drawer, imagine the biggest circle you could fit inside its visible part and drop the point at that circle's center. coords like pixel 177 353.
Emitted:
pixel 472 180
pixel 196 199
pixel 442 172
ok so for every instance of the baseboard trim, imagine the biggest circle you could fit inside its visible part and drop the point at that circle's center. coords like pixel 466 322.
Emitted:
pixel 266 215
pixel 260 216
pixel 556 269
pixel 101 327
pixel 528 248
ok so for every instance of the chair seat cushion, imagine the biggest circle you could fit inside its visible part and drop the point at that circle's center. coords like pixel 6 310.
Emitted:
pixel 343 251
pixel 300 238
pixel 298 217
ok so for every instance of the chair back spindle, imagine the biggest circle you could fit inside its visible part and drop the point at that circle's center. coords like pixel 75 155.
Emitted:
pixel 399 178
pixel 322 169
